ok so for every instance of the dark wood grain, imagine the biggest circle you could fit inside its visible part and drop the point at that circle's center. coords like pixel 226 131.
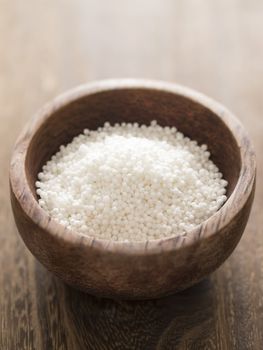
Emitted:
pixel 50 46
pixel 133 270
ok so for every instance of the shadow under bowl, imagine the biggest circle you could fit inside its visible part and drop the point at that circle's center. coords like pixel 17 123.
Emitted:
pixel 133 270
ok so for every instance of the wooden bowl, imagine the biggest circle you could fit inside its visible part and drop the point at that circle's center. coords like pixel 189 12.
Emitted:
pixel 133 270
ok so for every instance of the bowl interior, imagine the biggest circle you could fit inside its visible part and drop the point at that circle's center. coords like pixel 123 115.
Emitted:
pixel 135 105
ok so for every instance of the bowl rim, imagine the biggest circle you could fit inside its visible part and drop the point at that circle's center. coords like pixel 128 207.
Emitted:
pixel 21 190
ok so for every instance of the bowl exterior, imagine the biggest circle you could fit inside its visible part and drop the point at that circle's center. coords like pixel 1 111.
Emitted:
pixel 130 276
pixel 131 270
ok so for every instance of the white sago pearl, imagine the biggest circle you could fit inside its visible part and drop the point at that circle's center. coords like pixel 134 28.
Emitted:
pixel 128 182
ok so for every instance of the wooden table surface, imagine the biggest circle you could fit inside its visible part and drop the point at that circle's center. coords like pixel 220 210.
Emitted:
pixel 49 46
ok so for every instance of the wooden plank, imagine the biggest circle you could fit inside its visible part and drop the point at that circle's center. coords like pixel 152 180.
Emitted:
pixel 47 47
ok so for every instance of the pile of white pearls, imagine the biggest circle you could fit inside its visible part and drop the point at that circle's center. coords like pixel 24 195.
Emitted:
pixel 131 182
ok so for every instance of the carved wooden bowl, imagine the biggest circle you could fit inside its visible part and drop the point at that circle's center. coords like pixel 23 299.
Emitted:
pixel 133 270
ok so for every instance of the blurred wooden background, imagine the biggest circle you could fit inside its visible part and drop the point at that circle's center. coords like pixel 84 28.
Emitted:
pixel 48 46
